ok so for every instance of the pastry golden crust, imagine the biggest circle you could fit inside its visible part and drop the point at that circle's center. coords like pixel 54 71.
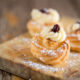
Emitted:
pixel 34 27
pixel 74 38
pixel 49 52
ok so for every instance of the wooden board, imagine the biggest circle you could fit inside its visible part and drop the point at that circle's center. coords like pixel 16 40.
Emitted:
pixel 16 58
pixel 8 76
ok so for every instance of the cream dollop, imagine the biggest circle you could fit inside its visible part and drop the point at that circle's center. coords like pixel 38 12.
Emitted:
pixel 75 26
pixel 42 18
pixel 58 36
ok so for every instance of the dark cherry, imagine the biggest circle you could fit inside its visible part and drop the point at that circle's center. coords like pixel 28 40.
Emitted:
pixel 56 28
pixel 44 10
pixel 78 22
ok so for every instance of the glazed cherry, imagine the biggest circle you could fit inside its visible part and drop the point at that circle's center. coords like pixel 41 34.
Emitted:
pixel 44 10
pixel 56 28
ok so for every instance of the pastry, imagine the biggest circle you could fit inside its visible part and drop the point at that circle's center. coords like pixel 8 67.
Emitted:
pixel 51 46
pixel 74 36
pixel 41 18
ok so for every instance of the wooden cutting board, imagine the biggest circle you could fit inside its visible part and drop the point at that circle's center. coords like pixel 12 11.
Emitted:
pixel 16 58
pixel 8 76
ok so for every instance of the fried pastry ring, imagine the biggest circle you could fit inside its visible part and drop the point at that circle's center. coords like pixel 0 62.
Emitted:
pixel 34 27
pixel 74 38
pixel 49 52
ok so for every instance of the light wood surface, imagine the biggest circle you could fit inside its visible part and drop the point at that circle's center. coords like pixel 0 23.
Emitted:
pixel 16 58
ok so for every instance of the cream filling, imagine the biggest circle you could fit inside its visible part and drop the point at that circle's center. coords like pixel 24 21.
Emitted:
pixel 42 18
pixel 58 36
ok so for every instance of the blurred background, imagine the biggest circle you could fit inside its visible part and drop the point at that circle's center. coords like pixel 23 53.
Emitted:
pixel 14 14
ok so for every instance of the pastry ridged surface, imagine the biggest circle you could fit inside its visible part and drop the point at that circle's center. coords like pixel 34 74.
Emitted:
pixel 74 38
pixel 34 27
pixel 49 52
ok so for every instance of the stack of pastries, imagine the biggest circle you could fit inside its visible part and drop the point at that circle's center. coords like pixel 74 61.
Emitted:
pixel 51 43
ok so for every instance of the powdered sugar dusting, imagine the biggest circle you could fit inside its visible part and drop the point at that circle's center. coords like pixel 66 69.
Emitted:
pixel 36 44
pixel 49 52
pixel 41 67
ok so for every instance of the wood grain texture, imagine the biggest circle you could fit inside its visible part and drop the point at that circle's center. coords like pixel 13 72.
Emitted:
pixel 0 75
pixel 8 76
pixel 16 78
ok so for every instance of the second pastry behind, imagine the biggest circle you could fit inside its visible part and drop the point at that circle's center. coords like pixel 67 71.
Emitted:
pixel 41 18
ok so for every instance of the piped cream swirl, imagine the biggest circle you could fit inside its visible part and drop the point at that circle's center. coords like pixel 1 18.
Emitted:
pixel 58 36
pixel 42 18
pixel 75 26
pixel 72 28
